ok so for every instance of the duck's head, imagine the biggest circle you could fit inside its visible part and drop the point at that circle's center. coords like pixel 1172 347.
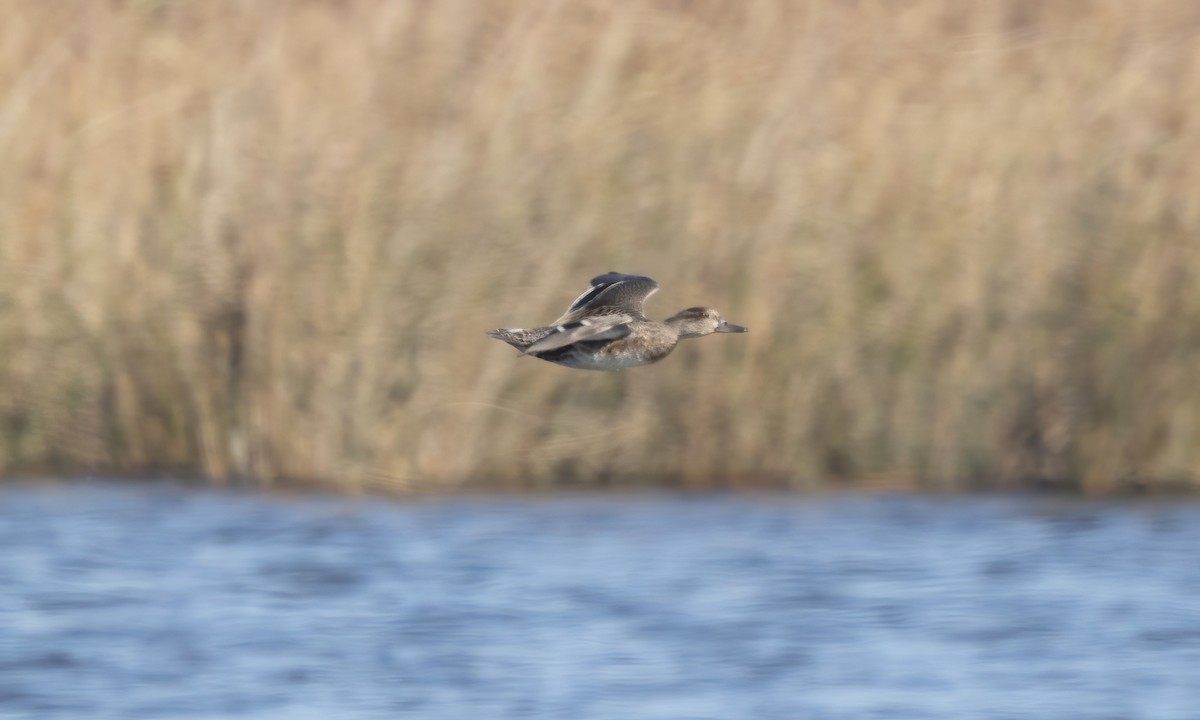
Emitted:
pixel 698 322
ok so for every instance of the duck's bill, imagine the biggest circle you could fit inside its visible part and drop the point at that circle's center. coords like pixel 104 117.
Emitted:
pixel 731 328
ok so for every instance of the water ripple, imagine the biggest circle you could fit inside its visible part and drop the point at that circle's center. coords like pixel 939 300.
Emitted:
pixel 126 601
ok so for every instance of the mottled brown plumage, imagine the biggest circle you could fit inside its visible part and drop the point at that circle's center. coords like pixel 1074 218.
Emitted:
pixel 607 329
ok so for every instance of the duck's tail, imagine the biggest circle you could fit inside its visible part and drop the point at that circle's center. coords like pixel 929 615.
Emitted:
pixel 519 338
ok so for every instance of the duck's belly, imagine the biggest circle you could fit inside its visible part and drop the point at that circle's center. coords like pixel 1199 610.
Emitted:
pixel 610 357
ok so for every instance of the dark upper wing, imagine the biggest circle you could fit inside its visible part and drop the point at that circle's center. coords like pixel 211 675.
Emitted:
pixel 616 290
pixel 602 327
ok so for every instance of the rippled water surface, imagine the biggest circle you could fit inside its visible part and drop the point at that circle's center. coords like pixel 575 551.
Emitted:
pixel 144 601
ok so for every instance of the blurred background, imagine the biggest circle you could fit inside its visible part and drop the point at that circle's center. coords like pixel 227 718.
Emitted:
pixel 258 243
pixel 263 240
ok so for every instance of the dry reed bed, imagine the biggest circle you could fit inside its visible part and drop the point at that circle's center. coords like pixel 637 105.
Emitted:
pixel 263 239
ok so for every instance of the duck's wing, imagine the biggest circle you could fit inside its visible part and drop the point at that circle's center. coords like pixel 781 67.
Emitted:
pixel 614 290
pixel 599 327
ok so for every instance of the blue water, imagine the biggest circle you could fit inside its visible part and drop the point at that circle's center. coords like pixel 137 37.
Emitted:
pixel 147 601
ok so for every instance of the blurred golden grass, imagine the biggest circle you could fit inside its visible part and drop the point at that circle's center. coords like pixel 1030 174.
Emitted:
pixel 263 240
